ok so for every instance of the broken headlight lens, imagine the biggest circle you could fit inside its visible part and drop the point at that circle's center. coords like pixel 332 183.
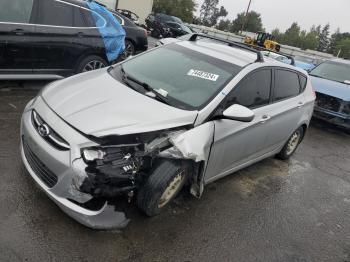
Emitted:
pixel 91 154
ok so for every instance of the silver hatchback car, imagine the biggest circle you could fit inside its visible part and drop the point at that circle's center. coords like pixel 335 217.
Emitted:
pixel 186 113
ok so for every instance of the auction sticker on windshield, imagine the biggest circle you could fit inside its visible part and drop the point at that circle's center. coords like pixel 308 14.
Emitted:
pixel 204 75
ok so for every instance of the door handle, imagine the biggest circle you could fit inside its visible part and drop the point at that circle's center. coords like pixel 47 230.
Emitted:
pixel 300 104
pixel 18 31
pixel 265 118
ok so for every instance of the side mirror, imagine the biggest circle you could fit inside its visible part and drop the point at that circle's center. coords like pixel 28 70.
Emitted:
pixel 239 113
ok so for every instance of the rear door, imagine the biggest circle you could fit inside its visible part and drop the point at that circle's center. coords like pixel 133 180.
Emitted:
pixel 286 107
pixel 236 143
pixel 64 33
pixel 16 36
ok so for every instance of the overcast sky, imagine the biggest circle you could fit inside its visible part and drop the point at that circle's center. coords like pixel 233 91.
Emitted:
pixel 282 13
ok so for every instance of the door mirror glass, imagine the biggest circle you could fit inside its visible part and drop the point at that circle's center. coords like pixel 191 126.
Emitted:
pixel 239 113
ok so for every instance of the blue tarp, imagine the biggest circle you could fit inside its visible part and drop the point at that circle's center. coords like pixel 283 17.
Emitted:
pixel 112 32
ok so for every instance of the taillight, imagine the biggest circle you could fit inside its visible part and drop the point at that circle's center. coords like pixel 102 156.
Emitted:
pixel 146 33
pixel 313 90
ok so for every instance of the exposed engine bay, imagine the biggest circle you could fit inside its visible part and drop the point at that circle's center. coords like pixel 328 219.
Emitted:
pixel 120 169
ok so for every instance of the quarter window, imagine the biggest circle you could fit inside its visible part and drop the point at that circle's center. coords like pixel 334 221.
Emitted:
pixel 55 13
pixel 83 18
pixel 286 85
pixel 18 11
pixel 253 91
pixel 303 81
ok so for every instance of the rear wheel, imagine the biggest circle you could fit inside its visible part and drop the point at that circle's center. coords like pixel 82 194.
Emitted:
pixel 292 144
pixel 129 49
pixel 161 187
pixel 90 63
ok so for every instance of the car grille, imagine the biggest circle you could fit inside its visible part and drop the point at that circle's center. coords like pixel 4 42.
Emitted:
pixel 40 169
pixel 50 135
pixel 328 102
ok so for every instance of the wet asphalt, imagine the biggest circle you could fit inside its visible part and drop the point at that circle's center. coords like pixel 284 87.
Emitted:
pixel 296 211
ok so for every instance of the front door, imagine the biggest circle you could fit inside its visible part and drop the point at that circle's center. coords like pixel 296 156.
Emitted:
pixel 236 143
pixel 16 37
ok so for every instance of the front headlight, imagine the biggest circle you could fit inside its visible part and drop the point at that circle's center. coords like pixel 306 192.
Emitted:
pixel 93 154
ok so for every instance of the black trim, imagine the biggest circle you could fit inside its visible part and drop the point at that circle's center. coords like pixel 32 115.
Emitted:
pixel 260 56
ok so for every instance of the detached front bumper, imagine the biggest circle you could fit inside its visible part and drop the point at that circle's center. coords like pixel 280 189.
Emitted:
pixel 53 171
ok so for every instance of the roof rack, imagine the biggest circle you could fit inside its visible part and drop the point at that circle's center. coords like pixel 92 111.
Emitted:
pixel 260 56
pixel 275 52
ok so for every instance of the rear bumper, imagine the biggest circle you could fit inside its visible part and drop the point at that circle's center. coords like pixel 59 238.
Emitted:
pixel 61 164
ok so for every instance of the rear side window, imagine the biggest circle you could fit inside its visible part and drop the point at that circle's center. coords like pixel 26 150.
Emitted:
pixel 253 91
pixel 286 85
pixel 16 11
pixel 55 13
pixel 83 18
pixel 303 82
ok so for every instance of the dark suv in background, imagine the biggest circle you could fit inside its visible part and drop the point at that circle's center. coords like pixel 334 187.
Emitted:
pixel 162 25
pixel 51 39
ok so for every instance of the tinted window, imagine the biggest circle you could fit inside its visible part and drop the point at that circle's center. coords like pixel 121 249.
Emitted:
pixel 55 13
pixel 88 18
pixel 16 11
pixel 118 19
pixel 303 81
pixel 286 85
pixel 253 91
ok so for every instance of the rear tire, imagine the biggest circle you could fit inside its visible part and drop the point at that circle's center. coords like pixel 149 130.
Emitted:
pixel 91 62
pixel 162 186
pixel 292 144
pixel 129 49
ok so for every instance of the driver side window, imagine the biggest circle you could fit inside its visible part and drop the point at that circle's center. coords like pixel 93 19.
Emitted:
pixel 253 91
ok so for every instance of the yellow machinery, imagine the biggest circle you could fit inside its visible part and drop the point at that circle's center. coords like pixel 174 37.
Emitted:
pixel 264 40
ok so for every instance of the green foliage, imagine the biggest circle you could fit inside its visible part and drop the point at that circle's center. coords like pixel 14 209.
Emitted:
pixel 324 39
pixel 253 22
pixel 210 13
pixel 344 47
pixel 224 25
pixel 180 8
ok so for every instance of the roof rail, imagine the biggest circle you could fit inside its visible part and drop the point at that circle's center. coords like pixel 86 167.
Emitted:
pixel 260 56
pixel 275 52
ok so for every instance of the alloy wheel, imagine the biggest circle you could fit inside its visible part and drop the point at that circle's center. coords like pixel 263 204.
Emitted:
pixel 93 65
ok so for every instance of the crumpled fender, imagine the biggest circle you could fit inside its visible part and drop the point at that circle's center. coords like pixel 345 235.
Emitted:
pixel 112 33
pixel 194 144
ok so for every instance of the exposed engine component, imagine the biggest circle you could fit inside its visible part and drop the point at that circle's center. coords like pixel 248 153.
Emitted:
pixel 111 171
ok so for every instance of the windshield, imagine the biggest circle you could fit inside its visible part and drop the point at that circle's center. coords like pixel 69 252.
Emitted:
pixel 304 59
pixel 335 71
pixel 188 79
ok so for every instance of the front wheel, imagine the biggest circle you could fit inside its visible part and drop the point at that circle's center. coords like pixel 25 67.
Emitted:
pixel 292 144
pixel 162 186
pixel 90 63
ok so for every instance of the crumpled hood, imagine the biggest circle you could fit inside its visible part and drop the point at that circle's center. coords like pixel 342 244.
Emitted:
pixel 331 88
pixel 97 104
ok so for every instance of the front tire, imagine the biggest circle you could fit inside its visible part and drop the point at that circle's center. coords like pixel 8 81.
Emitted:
pixel 90 63
pixel 292 144
pixel 162 186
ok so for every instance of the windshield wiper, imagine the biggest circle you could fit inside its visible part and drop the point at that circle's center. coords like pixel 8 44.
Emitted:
pixel 145 86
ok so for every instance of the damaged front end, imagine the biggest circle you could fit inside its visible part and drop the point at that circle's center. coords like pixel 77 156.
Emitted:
pixel 121 165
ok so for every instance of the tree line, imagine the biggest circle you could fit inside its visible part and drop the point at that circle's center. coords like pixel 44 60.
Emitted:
pixel 211 14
